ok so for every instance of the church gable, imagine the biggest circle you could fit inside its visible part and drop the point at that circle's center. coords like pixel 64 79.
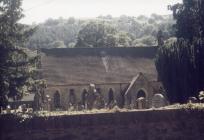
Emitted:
pixel 137 82
pixel 140 87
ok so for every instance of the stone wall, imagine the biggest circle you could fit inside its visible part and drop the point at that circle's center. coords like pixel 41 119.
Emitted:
pixel 141 125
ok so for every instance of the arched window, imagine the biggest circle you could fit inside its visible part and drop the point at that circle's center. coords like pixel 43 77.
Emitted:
pixel 110 96
pixel 122 93
pixel 57 99
pixel 72 97
pixel 141 93
pixel 84 96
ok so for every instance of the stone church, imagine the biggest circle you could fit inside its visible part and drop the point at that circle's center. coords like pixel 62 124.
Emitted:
pixel 114 76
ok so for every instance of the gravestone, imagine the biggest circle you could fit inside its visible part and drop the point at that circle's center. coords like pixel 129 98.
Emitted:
pixel 158 101
pixel 99 102
pixel 112 104
pixel 8 109
pixel 192 100
pixel 48 100
pixel 37 102
pixel 80 106
pixel 140 103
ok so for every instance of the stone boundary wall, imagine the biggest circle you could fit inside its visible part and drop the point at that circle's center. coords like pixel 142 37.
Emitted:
pixel 139 125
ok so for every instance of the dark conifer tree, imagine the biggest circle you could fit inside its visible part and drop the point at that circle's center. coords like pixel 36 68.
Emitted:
pixel 180 65
pixel 17 64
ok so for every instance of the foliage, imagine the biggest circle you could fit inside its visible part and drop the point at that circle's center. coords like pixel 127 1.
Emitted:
pixel 60 30
pixel 17 64
pixel 146 40
pixel 189 19
pixel 131 30
pixel 124 39
pixel 201 96
pixel 180 66
pixel 187 107
pixel 97 34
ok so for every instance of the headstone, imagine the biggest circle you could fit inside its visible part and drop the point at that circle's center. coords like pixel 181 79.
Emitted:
pixel 112 104
pixel 99 102
pixel 140 103
pixel 201 96
pixel 71 107
pixel 192 100
pixel 80 106
pixel 158 101
pixel 8 109
pixel 20 108
pixel 37 102
pixel 47 103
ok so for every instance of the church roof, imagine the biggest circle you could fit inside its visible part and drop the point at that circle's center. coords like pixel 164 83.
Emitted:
pixel 97 65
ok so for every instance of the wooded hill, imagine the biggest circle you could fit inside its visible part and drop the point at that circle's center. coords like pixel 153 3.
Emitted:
pixel 127 31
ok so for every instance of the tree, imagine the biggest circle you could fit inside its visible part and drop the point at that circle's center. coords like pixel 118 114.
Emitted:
pixel 53 31
pixel 57 44
pixel 136 29
pixel 179 68
pixel 124 40
pixel 189 19
pixel 180 64
pixel 97 34
pixel 17 64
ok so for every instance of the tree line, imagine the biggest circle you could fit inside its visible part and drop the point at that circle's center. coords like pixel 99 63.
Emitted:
pixel 103 31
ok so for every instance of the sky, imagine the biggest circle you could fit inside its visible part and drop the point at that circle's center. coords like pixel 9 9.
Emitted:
pixel 37 11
